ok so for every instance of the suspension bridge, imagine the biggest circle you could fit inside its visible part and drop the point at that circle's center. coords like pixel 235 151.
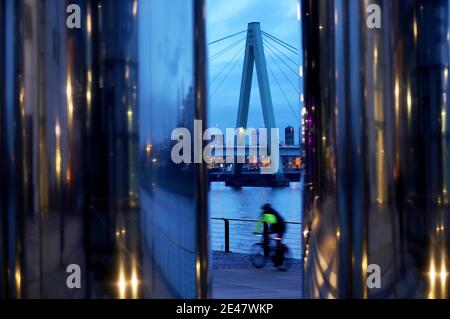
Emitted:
pixel 254 47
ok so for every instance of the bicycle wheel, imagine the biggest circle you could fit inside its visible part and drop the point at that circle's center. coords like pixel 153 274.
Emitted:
pixel 257 257
pixel 287 262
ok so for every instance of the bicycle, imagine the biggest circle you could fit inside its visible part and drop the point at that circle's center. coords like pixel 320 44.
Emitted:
pixel 279 254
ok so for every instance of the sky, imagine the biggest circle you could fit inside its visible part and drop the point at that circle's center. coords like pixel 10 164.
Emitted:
pixel 278 18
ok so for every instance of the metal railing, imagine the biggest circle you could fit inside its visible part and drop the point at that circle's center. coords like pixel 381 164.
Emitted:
pixel 236 235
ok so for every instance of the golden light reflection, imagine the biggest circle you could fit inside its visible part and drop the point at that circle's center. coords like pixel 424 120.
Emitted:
pixel 444 120
pixel 364 264
pixel 58 159
pixel 397 90
pixel 397 120
pixel 68 176
pixel 89 23
pixel 88 96
pixel 148 149
pixel 408 102
pixel 135 8
pixel 415 31
pixel 134 283
pixel 437 272
pixel 22 100
pixel 381 187
pixel 22 95
pixel 58 162
pixel 57 130
pixel 443 275
pixel 432 278
pixel 69 98
pixel 122 283
pixel 198 268
pixel 18 277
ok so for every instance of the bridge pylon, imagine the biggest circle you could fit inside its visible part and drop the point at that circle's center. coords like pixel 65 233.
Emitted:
pixel 255 56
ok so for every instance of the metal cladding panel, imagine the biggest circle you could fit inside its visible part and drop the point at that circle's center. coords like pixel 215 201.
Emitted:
pixel 376 147
pixel 86 121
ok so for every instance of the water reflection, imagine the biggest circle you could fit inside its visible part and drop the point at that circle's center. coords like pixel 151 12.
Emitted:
pixel 246 202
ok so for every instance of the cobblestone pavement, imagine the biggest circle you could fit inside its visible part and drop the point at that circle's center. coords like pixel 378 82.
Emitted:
pixel 222 260
pixel 234 277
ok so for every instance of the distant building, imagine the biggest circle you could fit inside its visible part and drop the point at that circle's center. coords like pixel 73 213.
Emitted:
pixel 289 136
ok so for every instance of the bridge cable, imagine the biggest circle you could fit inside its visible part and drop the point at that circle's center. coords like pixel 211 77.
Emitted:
pixel 296 89
pixel 212 58
pixel 281 52
pixel 227 65
pixel 223 80
pixel 283 61
pixel 284 95
pixel 282 43
pixel 227 37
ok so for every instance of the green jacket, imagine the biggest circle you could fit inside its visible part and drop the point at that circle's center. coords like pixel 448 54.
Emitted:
pixel 266 218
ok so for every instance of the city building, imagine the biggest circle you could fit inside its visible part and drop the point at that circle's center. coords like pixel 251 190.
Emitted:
pixel 289 136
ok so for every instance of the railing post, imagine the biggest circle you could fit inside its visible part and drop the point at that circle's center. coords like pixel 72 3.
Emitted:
pixel 266 240
pixel 227 236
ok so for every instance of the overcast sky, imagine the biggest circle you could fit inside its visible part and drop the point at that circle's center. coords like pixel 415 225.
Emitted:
pixel 277 17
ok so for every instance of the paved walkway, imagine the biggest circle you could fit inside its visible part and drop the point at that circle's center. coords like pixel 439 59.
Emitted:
pixel 235 278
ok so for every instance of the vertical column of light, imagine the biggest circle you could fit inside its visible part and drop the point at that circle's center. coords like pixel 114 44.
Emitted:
pixel 128 282
pixel 445 171
pixel 57 132
pixel 437 268
pixel 302 130
pixel 378 91
pixel 443 200
pixel 133 187
pixel 89 66
pixel 300 71
pixel 69 112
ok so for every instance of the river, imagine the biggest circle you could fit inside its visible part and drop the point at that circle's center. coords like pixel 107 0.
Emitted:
pixel 227 202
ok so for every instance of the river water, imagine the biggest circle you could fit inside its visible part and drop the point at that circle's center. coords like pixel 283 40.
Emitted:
pixel 227 202
pixel 246 202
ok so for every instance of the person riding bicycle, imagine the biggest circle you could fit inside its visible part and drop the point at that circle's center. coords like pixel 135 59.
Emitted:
pixel 276 225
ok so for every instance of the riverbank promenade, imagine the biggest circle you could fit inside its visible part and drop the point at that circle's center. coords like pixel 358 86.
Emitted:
pixel 234 277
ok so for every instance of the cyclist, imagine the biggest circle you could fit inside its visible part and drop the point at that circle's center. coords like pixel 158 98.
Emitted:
pixel 277 226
